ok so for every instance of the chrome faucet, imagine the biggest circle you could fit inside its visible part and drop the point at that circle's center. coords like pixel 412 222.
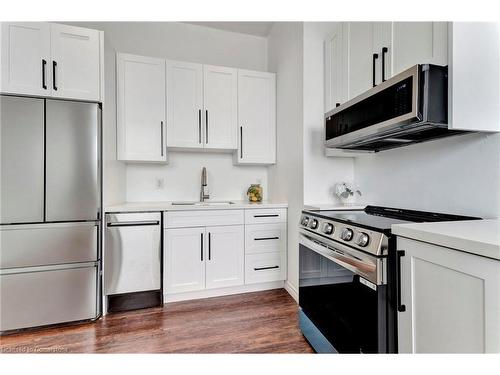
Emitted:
pixel 204 188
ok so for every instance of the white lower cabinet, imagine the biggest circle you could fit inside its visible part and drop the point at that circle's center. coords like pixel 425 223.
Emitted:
pixel 213 251
pixel 225 261
pixel 451 300
pixel 184 258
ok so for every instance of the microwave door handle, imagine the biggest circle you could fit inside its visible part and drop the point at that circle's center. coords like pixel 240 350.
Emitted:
pixel 374 65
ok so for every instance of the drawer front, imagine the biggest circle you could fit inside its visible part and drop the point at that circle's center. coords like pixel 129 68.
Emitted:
pixel 47 297
pixel 185 219
pixel 48 244
pixel 265 238
pixel 265 215
pixel 260 268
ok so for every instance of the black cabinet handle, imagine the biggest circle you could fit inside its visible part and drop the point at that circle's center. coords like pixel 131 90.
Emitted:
pixel 375 57
pixel 44 64
pixel 265 268
pixel 337 104
pixel 399 255
pixel 241 142
pixel 199 126
pixel 201 241
pixel 161 136
pixel 206 126
pixel 267 215
pixel 209 246
pixel 266 238
pixel 384 51
pixel 54 65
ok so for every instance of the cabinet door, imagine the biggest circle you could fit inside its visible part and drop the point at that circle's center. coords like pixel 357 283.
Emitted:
pixel 184 104
pixel 382 45
pixel 184 260
pixel 360 57
pixel 140 108
pixel 336 67
pixel 452 301
pixel 225 260
pixel 75 62
pixel 474 76
pixel 220 93
pixel 256 117
pixel 25 58
pixel 419 43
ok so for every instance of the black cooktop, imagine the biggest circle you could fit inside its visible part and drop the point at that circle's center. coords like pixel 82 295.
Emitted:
pixel 381 218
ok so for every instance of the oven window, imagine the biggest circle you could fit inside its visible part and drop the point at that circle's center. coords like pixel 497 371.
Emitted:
pixel 348 313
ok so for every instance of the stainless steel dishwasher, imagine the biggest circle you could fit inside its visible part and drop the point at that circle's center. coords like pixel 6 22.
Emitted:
pixel 133 261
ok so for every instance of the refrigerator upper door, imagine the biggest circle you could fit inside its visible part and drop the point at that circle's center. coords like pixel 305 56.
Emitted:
pixel 21 181
pixel 72 160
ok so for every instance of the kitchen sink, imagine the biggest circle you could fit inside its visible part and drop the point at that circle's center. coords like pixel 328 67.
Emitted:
pixel 211 203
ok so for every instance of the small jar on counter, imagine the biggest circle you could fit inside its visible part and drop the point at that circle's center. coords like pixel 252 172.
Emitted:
pixel 254 193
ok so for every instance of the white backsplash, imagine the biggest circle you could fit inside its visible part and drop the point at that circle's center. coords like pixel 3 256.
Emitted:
pixel 182 178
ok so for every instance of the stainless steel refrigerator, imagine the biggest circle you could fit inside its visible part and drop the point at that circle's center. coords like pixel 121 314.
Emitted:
pixel 50 211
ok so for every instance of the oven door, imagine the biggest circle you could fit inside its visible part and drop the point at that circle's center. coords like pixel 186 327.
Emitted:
pixel 341 310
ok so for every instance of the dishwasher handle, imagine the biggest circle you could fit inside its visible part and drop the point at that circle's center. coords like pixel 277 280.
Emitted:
pixel 133 223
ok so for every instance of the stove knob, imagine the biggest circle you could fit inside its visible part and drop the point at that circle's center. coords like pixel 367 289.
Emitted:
pixel 362 239
pixel 327 228
pixel 314 224
pixel 305 221
pixel 346 234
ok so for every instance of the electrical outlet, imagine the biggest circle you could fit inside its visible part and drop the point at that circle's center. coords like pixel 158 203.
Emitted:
pixel 160 183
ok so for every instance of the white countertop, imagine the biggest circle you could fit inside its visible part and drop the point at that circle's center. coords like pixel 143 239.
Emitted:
pixel 168 206
pixel 323 207
pixel 481 237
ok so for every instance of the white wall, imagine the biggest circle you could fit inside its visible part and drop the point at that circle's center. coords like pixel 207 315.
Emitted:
pixel 286 177
pixel 180 41
pixel 320 173
pixel 458 175
pixel 182 178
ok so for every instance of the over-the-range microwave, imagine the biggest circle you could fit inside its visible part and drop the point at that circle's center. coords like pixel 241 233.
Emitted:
pixel 407 108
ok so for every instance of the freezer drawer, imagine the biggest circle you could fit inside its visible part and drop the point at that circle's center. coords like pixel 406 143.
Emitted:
pixel 48 244
pixel 72 161
pixel 21 179
pixel 47 297
pixel 132 253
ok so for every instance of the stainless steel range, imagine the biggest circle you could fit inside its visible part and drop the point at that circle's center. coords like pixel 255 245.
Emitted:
pixel 348 277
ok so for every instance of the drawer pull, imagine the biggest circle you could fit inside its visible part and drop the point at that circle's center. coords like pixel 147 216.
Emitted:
pixel 267 215
pixel 265 268
pixel 266 238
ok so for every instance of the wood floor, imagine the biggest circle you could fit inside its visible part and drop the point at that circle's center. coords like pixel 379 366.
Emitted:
pixel 261 322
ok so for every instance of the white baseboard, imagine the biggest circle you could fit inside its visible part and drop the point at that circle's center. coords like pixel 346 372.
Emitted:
pixel 223 291
pixel 292 290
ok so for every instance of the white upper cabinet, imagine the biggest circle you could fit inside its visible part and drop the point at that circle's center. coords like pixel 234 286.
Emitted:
pixel 419 43
pixel 184 104
pixel 360 58
pixel 256 117
pixel 474 76
pixel 75 62
pixel 220 95
pixel 26 66
pixel 226 255
pixel 359 55
pixel 336 68
pixel 140 108
pixel 451 300
pixel 51 60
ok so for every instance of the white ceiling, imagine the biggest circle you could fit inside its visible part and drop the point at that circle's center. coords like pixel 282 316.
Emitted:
pixel 252 28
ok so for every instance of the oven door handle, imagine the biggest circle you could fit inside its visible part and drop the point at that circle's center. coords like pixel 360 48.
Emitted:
pixel 366 266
